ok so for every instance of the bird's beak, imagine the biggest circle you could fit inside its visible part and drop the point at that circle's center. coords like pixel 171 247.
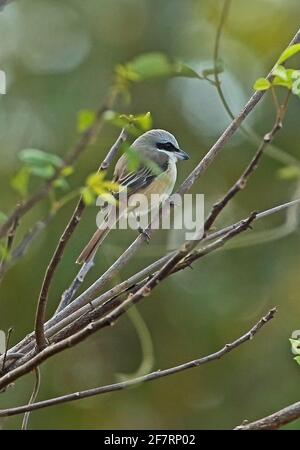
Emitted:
pixel 181 154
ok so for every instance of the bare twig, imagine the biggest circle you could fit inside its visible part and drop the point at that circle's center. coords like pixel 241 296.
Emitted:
pixel 275 420
pixel 146 378
pixel 58 253
pixel 33 396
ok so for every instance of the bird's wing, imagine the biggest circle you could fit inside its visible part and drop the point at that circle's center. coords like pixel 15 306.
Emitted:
pixel 133 181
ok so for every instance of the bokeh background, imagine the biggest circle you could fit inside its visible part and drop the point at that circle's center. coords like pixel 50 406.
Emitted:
pixel 59 57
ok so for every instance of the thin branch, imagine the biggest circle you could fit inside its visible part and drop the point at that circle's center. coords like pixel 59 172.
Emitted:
pixel 33 396
pixel 224 14
pixel 41 341
pixel 146 378
pixel 20 250
pixel 275 420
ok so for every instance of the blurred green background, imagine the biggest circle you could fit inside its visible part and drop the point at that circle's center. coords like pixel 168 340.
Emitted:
pixel 59 57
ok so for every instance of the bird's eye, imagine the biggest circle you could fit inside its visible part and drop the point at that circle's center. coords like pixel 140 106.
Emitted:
pixel 166 146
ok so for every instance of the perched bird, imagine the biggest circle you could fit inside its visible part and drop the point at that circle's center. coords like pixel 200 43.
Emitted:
pixel 158 152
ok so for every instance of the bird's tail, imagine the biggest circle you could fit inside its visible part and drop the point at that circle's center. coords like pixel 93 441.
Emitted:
pixel 91 248
pixel 98 237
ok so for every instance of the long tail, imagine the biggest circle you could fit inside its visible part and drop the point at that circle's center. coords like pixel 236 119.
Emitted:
pixel 91 248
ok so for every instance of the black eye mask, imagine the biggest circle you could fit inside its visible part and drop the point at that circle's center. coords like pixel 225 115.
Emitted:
pixel 168 146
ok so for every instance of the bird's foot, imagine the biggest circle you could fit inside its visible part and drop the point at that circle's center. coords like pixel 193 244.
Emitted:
pixel 144 233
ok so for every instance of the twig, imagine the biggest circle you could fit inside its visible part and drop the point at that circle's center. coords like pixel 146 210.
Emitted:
pixel 224 14
pixel 275 420
pixel 146 378
pixel 41 341
pixel 33 396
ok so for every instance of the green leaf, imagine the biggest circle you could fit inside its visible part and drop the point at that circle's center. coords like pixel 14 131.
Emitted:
pixel 280 72
pixel 61 183
pixel 288 53
pixel 135 124
pixel 19 182
pixel 285 77
pixel 146 67
pixel 296 85
pixel 143 121
pixel 45 172
pixel 3 217
pixel 297 359
pixel 38 158
pixel 133 159
pixel 183 70
pixel 88 196
pixel 289 173
pixel 261 84
pixel 67 171
pixel 85 120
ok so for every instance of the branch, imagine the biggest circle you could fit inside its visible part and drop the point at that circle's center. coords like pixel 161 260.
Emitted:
pixel 146 378
pixel 33 396
pixel 59 251
pixel 275 420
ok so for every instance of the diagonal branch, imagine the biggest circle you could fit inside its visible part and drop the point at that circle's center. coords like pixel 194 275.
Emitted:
pixel 146 378
pixel 275 420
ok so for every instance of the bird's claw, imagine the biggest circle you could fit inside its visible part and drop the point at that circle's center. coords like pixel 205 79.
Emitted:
pixel 144 233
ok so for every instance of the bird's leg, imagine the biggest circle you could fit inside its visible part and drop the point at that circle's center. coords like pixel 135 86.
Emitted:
pixel 144 233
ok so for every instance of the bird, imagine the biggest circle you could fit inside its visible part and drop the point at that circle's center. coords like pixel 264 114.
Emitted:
pixel 158 152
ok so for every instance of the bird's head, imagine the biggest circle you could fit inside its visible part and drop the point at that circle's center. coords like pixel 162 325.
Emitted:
pixel 160 141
